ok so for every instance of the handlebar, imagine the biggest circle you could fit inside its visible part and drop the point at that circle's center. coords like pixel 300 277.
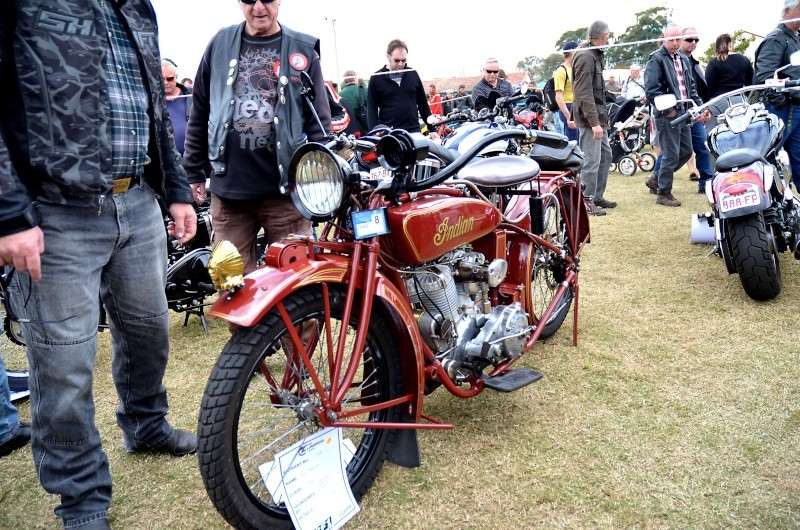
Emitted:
pixel 457 116
pixel 780 86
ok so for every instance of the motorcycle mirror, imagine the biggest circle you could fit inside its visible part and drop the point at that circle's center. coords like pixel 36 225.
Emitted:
pixel 431 119
pixel 665 101
pixel 308 85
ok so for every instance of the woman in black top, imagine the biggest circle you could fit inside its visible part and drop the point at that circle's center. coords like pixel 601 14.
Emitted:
pixel 725 72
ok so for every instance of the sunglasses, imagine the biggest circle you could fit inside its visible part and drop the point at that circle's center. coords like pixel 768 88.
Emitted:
pixel 692 40
pixel 253 2
pixel 400 61
pixel 492 71
pixel 169 79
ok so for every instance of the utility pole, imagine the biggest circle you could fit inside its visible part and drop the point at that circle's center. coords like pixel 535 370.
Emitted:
pixel 335 46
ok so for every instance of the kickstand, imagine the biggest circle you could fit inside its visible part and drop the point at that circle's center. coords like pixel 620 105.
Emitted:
pixel 200 313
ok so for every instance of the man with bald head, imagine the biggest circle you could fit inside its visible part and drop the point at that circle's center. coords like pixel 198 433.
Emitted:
pixel 669 72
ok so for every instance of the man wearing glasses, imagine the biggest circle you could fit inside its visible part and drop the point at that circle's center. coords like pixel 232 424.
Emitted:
pixel 396 96
pixel 491 82
pixel 179 102
pixel 248 118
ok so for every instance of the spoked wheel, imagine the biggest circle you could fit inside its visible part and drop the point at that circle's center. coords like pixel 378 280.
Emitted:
pixel 549 270
pixel 755 257
pixel 647 162
pixel 12 349
pixel 627 165
pixel 262 398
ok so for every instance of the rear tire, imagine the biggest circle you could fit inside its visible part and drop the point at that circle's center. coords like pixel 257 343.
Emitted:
pixel 261 399
pixel 647 162
pixel 627 166
pixel 755 259
pixel 12 343
pixel 548 272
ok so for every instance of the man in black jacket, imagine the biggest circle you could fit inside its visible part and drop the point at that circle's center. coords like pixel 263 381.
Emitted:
pixel 774 52
pixel 248 119
pixel 86 148
pixel 669 72
pixel 698 129
pixel 396 96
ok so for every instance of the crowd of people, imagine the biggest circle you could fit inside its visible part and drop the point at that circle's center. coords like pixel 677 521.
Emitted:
pixel 82 210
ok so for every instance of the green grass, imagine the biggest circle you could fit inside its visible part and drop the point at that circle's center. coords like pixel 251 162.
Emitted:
pixel 680 408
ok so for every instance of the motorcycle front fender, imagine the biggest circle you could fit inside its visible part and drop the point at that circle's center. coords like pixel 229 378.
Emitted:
pixel 266 286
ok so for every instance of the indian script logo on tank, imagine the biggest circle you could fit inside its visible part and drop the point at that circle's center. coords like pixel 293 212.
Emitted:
pixel 445 231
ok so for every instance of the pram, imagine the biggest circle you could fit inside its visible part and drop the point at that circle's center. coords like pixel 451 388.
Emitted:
pixel 629 133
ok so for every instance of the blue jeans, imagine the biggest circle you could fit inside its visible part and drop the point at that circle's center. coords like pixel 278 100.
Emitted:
pixel 9 417
pixel 118 256
pixel 790 114
pixel 676 146
pixel 596 162
pixel 702 155
pixel 561 124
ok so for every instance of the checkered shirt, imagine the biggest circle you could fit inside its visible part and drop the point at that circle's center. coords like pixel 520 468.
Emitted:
pixel 679 72
pixel 129 125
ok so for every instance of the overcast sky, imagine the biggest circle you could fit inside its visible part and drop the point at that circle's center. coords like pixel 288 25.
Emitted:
pixel 445 38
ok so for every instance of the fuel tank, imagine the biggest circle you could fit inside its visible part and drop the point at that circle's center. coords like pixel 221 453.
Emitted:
pixel 424 229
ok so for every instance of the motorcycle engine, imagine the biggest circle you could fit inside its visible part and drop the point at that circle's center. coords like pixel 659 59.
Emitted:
pixel 455 316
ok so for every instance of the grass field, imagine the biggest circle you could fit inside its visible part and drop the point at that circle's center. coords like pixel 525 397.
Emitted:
pixel 680 408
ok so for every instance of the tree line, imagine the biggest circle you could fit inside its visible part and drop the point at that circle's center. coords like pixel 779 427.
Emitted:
pixel 648 26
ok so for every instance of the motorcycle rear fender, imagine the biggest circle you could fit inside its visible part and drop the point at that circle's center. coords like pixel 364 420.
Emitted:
pixel 266 286
pixel 750 177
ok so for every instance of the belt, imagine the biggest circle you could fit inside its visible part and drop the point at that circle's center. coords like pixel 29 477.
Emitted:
pixel 121 185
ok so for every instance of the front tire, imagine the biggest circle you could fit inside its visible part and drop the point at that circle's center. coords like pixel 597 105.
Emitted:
pixel 261 399
pixel 755 259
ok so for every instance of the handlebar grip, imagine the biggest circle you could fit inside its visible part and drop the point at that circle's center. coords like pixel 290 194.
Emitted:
pixel 680 119
pixel 205 287
pixel 550 139
pixel 791 83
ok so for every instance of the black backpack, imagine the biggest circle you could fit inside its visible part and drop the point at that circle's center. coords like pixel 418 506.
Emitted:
pixel 549 92
pixel 361 109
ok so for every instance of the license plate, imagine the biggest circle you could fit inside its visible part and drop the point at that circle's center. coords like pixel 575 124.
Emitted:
pixel 380 173
pixel 740 200
pixel 370 223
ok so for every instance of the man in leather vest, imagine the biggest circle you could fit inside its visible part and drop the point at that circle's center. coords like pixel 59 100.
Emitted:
pixel 247 121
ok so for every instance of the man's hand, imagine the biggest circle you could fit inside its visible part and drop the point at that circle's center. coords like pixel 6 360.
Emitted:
pixel 198 191
pixel 22 250
pixel 571 124
pixel 704 116
pixel 184 222
pixel 597 132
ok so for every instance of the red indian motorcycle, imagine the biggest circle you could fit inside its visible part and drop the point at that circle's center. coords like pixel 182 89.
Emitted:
pixel 415 282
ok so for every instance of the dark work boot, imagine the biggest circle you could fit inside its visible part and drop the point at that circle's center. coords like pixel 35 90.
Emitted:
pixel 665 198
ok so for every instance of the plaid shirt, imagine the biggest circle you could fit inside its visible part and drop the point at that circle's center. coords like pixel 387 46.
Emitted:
pixel 129 125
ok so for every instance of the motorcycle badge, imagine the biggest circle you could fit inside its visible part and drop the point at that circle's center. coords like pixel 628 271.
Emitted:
pixel 298 61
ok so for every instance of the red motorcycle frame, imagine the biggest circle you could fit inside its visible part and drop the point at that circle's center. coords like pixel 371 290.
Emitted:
pixel 537 220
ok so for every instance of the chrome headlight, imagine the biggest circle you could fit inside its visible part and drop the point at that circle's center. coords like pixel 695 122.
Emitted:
pixel 317 179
